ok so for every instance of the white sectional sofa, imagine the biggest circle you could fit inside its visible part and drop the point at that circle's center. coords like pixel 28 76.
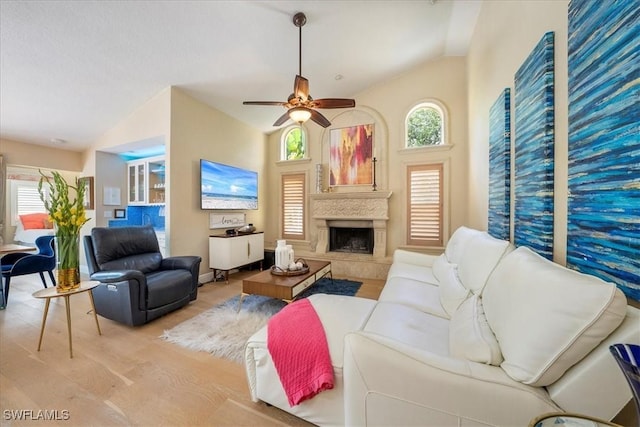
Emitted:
pixel 484 334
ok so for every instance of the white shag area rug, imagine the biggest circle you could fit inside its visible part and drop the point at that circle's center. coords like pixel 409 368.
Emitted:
pixel 223 331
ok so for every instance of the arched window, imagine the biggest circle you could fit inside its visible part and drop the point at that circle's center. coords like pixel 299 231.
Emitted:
pixel 294 143
pixel 425 126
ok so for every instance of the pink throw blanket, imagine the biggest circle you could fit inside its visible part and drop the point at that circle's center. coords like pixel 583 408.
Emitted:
pixel 299 350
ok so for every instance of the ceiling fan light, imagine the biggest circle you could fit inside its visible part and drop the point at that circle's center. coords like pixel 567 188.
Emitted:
pixel 299 114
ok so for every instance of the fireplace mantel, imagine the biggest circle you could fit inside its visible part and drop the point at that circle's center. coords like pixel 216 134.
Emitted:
pixel 371 206
pixel 364 205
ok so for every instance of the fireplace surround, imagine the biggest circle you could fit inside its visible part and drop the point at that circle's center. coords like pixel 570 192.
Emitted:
pixel 351 210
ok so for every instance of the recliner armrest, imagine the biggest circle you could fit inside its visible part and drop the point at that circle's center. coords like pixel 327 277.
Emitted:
pixel 114 276
pixel 186 262
pixel 177 262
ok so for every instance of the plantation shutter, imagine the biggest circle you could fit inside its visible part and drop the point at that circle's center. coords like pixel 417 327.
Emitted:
pixel 425 205
pixel 28 199
pixel 293 206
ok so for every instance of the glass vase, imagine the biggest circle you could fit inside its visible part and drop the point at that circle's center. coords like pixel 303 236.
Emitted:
pixel 68 262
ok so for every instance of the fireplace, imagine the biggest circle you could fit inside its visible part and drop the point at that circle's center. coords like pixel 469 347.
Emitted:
pixel 355 223
pixel 351 236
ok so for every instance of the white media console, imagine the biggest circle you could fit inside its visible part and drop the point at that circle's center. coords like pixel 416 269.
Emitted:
pixel 227 252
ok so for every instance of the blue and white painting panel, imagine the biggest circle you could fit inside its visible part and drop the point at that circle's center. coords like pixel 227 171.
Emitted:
pixel 500 166
pixel 534 149
pixel 603 236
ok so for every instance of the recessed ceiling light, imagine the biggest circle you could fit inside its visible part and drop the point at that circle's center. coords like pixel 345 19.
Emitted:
pixel 58 141
pixel 338 77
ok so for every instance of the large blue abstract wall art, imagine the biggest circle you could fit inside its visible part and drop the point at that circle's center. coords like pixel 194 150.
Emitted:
pixel 534 149
pixel 500 166
pixel 603 235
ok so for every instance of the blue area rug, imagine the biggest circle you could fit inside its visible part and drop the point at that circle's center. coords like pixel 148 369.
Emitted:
pixel 267 305
pixel 223 330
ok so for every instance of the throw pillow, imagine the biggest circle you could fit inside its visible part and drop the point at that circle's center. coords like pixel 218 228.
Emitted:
pixel 440 267
pixel 547 317
pixel 33 221
pixel 452 292
pixel 470 336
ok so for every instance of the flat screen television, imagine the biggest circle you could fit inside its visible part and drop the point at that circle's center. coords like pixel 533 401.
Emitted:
pixel 227 187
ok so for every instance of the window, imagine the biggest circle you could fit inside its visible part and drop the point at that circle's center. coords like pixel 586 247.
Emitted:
pixel 293 206
pixel 425 205
pixel 26 199
pixel 293 145
pixel 425 126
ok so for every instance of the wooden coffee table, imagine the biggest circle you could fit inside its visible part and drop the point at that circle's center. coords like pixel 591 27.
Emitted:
pixel 284 287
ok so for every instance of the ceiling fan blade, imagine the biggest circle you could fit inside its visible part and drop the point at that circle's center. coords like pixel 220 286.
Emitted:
pixel 278 103
pixel 282 119
pixel 320 119
pixel 301 87
pixel 334 103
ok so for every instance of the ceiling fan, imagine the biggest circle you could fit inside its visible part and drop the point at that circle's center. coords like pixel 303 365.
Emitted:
pixel 300 105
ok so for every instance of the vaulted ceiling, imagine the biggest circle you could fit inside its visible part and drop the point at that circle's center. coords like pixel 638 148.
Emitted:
pixel 71 70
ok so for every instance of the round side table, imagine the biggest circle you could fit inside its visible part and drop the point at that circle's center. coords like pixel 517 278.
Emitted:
pixel 567 419
pixel 50 293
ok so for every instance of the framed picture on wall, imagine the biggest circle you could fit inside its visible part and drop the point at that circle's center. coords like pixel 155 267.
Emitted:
pixel 351 155
pixel 87 182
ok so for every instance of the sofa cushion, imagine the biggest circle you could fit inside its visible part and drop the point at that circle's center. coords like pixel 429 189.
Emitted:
pixel 547 317
pixel 412 271
pixel 413 293
pixel 470 336
pixel 452 292
pixel 457 243
pixel 481 254
pixel 410 326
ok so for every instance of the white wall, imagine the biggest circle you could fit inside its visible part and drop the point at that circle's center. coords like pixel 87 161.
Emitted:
pixel 387 104
pixel 201 132
pixel 504 36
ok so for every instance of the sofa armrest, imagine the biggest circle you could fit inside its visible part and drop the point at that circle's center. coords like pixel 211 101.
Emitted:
pixel 390 383
pixel 416 258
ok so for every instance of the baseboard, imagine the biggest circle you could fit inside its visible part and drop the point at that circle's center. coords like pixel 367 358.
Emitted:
pixel 206 277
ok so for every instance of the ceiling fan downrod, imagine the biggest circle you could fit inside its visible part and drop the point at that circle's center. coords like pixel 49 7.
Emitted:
pixel 299 19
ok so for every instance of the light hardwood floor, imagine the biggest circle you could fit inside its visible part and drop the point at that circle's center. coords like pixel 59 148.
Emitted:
pixel 127 376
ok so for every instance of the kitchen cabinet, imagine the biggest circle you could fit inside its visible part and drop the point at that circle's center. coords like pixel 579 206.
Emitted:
pixel 156 180
pixel 229 252
pixel 146 181
pixel 137 178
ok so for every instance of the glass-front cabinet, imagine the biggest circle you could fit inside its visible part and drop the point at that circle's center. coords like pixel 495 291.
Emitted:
pixel 156 181
pixel 137 182
pixel 146 179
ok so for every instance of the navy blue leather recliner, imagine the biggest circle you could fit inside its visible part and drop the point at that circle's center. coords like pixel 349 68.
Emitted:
pixel 137 284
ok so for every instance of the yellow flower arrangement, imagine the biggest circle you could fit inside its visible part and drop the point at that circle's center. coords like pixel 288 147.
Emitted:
pixel 69 217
